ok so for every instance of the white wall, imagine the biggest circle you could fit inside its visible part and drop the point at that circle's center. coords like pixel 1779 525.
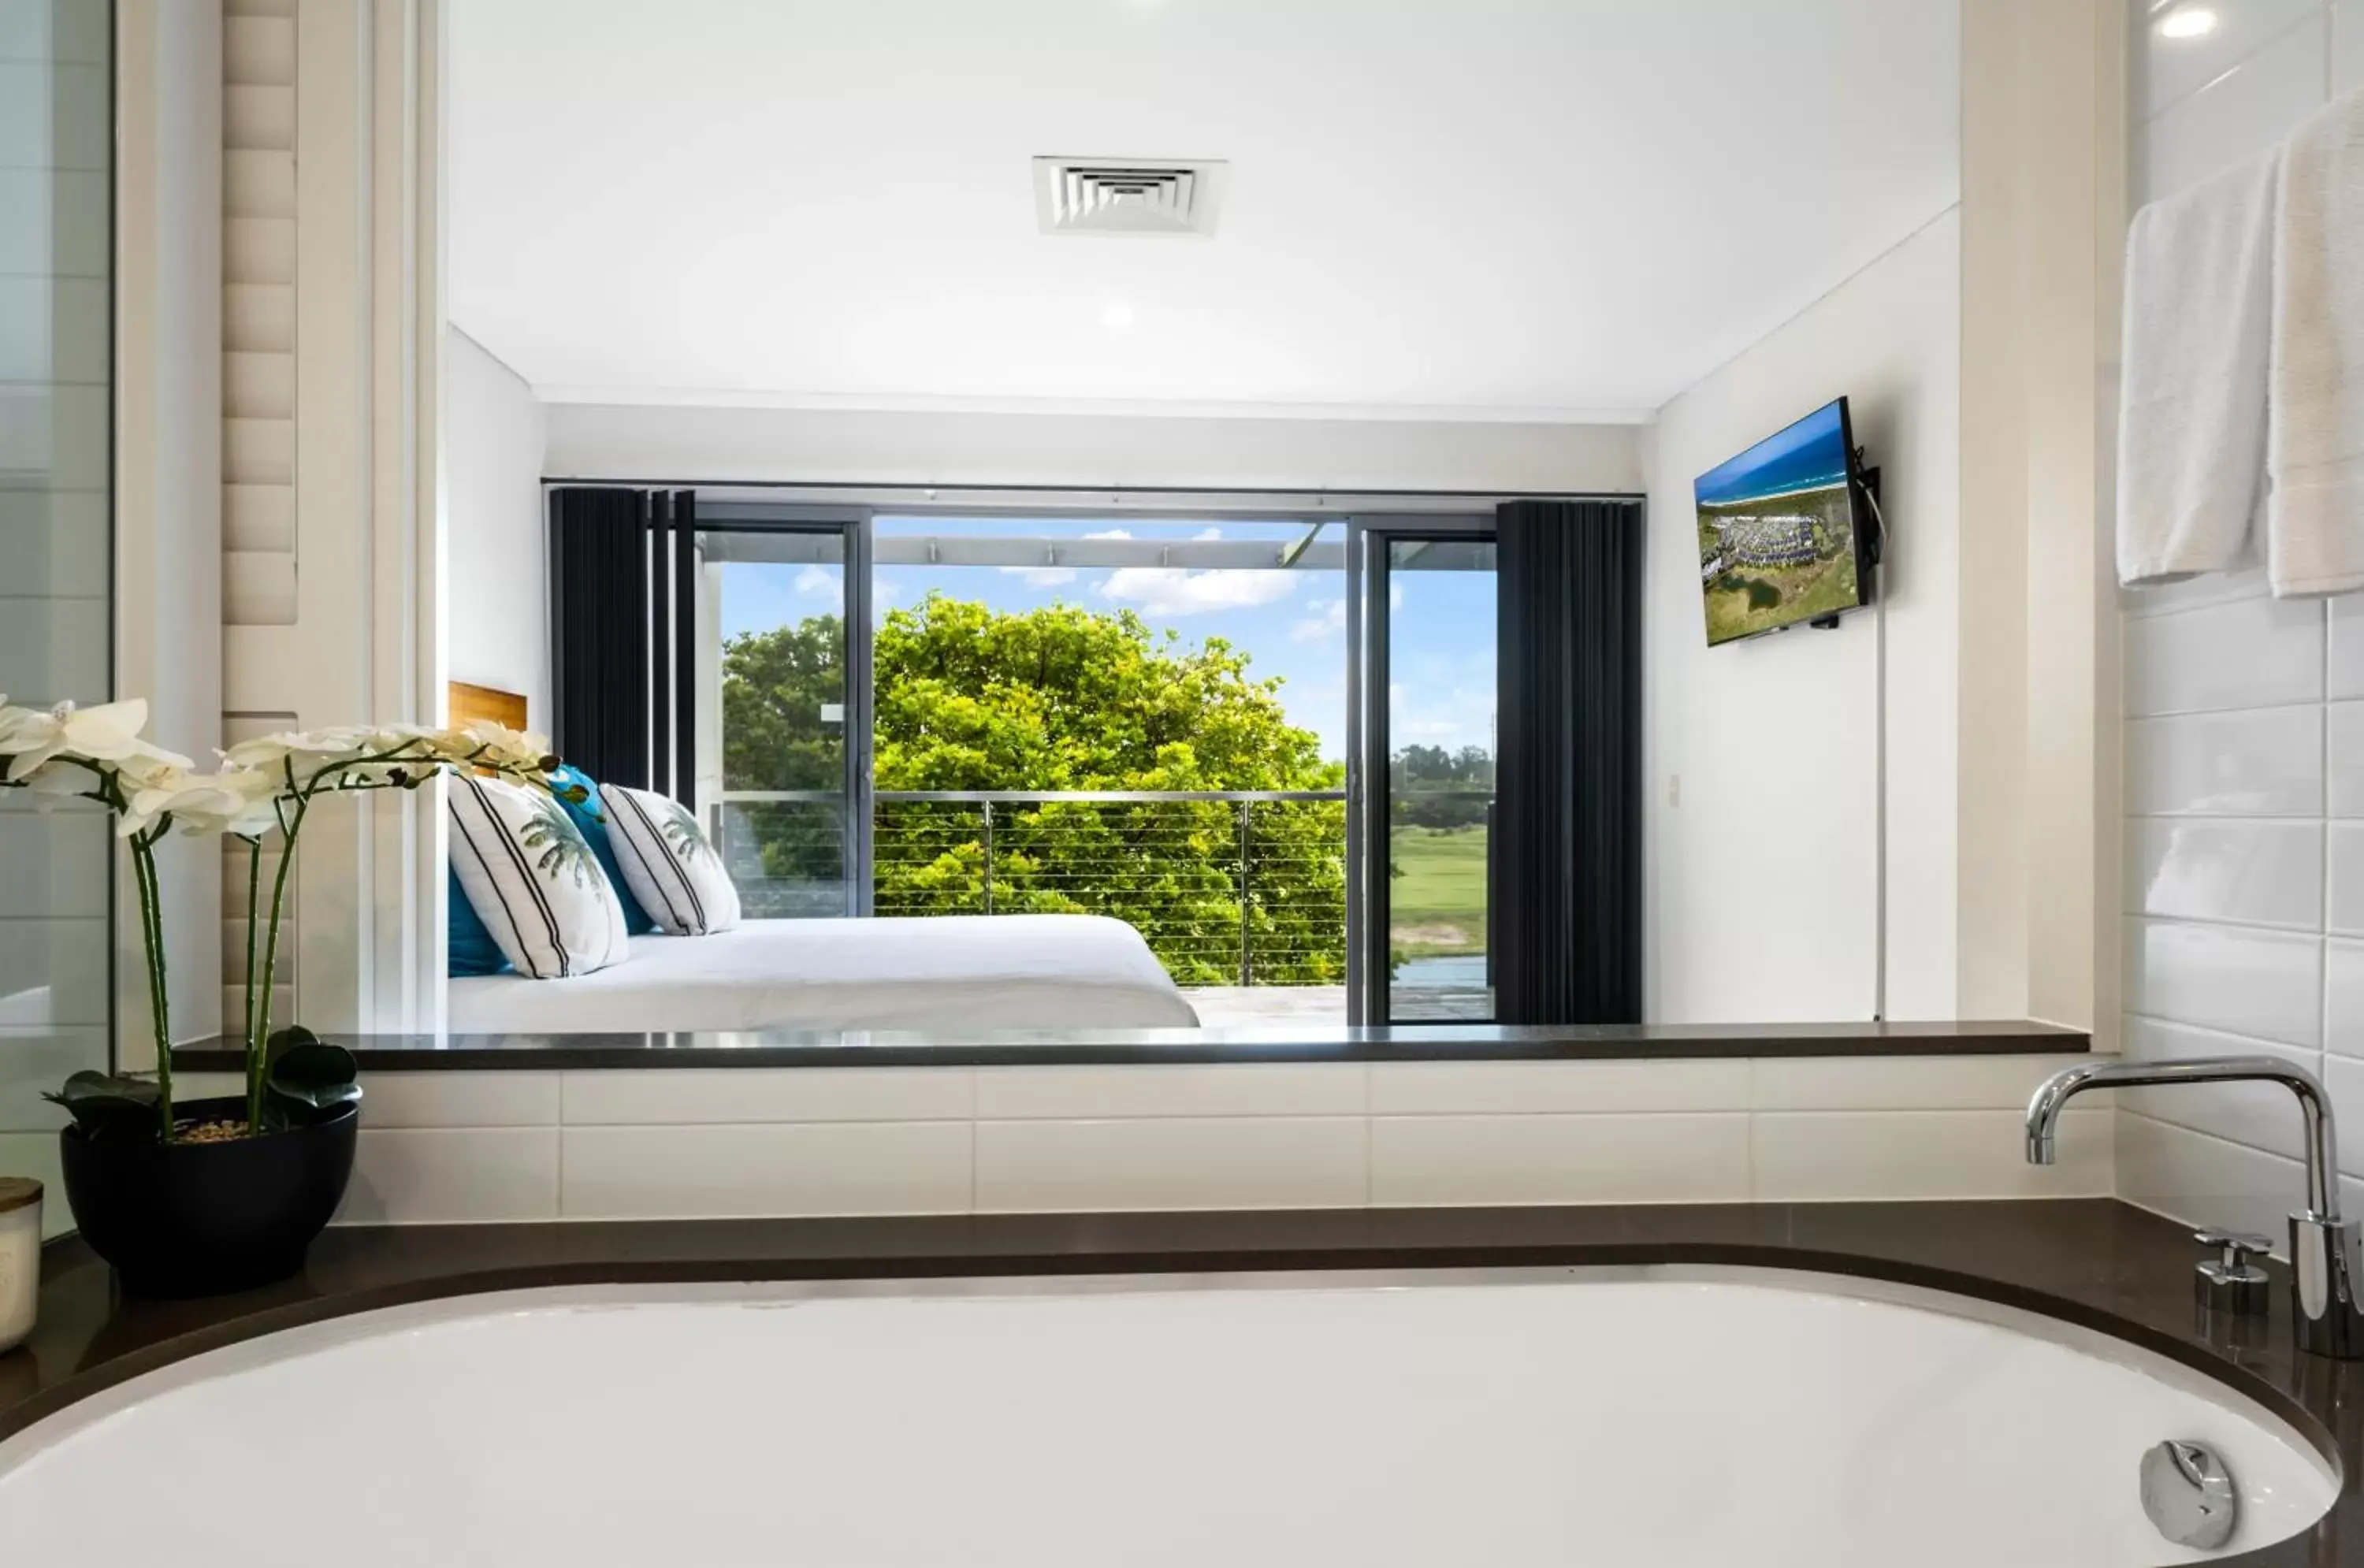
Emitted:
pixel 684 444
pixel 1763 881
pixel 496 571
pixel 2244 742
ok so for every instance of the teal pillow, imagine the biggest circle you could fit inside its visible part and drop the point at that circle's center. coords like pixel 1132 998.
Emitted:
pixel 590 816
pixel 468 943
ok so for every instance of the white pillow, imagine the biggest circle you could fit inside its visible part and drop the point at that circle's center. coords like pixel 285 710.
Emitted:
pixel 533 880
pixel 671 868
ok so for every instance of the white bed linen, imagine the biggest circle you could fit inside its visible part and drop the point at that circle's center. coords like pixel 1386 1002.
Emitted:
pixel 954 973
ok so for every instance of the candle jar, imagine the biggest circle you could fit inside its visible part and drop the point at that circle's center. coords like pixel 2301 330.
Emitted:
pixel 20 1257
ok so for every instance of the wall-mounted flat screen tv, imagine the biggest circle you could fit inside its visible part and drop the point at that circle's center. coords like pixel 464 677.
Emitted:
pixel 1785 533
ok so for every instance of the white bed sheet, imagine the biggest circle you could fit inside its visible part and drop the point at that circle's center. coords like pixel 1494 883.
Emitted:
pixel 953 972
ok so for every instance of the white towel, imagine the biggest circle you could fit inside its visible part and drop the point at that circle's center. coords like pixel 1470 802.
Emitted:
pixel 2314 524
pixel 2191 413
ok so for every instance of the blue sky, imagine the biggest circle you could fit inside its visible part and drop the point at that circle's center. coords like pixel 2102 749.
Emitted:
pixel 1810 453
pixel 1292 624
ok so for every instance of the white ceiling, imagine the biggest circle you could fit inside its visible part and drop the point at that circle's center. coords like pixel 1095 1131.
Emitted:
pixel 1561 209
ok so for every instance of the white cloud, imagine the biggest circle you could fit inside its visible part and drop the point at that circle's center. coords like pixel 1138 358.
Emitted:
pixel 1323 618
pixel 1109 533
pixel 818 582
pixel 1208 533
pixel 885 590
pixel 1451 717
pixel 1171 591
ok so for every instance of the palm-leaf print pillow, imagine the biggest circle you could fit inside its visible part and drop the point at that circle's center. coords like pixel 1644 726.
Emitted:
pixel 532 878
pixel 668 864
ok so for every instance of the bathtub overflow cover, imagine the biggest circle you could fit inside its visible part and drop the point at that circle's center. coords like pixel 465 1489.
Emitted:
pixel 2188 1494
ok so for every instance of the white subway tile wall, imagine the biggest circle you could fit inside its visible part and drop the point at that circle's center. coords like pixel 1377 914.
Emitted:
pixel 2243 732
pixel 699 1143
pixel 2264 762
pixel 56 630
pixel 1831 1156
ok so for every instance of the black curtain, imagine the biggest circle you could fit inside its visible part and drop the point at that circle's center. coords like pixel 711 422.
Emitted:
pixel 622 616
pixel 684 650
pixel 1566 937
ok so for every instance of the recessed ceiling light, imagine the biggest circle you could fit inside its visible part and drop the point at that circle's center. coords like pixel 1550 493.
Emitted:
pixel 1116 315
pixel 2188 22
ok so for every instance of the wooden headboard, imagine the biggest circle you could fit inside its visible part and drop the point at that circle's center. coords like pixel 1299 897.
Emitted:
pixel 469 704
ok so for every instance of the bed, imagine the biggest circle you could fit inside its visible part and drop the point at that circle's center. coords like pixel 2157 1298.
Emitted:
pixel 951 972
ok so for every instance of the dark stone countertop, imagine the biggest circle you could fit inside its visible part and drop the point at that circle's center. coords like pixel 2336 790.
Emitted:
pixel 1343 1042
pixel 2093 1261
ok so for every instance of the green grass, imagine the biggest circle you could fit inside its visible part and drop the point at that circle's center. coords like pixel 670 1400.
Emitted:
pixel 1437 901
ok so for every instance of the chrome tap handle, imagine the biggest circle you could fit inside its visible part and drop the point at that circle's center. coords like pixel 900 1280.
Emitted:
pixel 2232 1284
pixel 2238 1245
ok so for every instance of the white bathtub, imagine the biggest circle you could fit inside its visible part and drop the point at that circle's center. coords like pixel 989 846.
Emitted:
pixel 1630 1418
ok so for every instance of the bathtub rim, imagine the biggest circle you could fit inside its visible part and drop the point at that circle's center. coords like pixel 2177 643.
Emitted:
pixel 2121 1344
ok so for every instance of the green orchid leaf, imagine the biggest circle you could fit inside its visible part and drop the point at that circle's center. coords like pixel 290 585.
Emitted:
pixel 310 1080
pixel 284 1040
pixel 103 1106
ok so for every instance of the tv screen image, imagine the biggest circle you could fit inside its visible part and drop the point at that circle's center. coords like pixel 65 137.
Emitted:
pixel 1777 530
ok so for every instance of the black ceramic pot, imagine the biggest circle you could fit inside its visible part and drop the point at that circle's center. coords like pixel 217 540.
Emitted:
pixel 180 1220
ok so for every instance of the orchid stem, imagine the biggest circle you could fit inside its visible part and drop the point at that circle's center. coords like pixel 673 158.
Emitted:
pixel 151 938
pixel 258 1042
pixel 253 907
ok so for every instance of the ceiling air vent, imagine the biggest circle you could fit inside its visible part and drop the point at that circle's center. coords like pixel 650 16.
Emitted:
pixel 1119 195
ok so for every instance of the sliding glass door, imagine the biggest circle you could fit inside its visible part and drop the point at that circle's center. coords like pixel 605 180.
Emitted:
pixel 1426 770
pixel 782 711
pixel 1257 657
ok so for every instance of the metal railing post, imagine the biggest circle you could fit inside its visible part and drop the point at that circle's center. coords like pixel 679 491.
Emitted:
pixel 989 857
pixel 1248 967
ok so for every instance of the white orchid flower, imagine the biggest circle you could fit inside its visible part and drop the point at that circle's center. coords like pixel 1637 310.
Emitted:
pixel 488 741
pixel 304 748
pixel 145 764
pixel 72 778
pixel 59 778
pixel 238 801
pixel 108 733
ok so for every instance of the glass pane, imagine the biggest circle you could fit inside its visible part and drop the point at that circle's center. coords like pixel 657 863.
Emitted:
pixel 771 733
pixel 787 857
pixel 56 611
pixel 1033 666
pixel 1440 691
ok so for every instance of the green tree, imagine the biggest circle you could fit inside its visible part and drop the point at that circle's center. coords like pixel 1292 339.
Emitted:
pixel 775 687
pixel 1059 698
pixel 1436 788
pixel 788 857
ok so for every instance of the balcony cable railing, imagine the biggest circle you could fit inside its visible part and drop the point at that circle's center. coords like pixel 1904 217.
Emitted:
pixel 1228 886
